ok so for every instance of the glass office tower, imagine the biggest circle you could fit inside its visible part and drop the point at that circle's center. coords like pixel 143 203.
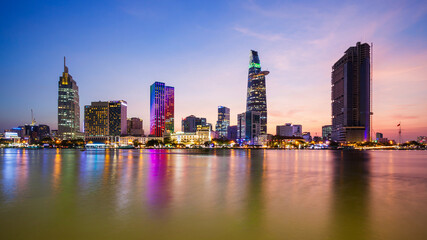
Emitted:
pixel 256 95
pixel 223 121
pixel 169 109
pixel 351 95
pixel 68 106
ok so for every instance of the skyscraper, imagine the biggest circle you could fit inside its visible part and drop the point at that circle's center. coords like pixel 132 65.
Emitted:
pixel 135 127
pixel 256 95
pixel 351 97
pixel 104 119
pixel 161 109
pixel 190 123
pixel 169 109
pixel 223 121
pixel 68 106
pixel 248 127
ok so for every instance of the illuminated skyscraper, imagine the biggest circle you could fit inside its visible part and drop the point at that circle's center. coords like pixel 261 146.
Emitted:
pixel 248 128
pixel 169 109
pixel 351 97
pixel 223 121
pixel 68 106
pixel 257 96
pixel 104 119
pixel 161 109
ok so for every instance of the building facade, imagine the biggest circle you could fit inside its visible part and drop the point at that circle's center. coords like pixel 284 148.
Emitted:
pixel 169 109
pixel 161 109
pixel 68 106
pixel 256 93
pixel 134 127
pixel 289 130
pixel 327 132
pixel 190 123
pixel 248 128
pixel 223 121
pixel 105 119
pixel 232 133
pixel 351 95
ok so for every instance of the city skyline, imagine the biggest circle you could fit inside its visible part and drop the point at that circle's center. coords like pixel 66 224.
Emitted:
pixel 302 70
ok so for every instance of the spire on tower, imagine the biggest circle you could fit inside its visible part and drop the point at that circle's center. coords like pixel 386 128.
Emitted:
pixel 65 67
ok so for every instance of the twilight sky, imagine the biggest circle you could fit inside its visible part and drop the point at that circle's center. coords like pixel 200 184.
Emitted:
pixel 117 49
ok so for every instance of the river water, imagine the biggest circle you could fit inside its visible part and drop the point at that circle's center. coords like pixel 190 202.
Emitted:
pixel 212 194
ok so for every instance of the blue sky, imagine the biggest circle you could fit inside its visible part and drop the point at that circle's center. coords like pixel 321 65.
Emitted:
pixel 116 49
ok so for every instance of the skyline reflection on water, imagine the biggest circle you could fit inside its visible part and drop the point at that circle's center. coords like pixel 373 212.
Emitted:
pixel 211 194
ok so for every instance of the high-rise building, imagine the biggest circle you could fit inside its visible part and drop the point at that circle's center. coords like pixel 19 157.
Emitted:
pixel 190 123
pixel 106 118
pixel 169 109
pixel 161 109
pixel 326 132
pixel 135 127
pixel 256 95
pixel 68 106
pixel 223 121
pixel 248 127
pixel 351 95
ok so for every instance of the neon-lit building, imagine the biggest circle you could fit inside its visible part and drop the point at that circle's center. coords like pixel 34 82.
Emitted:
pixel 68 106
pixel 351 97
pixel 256 95
pixel 161 109
pixel 169 109
pixel 223 122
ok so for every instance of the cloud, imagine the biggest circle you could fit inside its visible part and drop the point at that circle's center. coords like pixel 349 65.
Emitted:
pixel 262 36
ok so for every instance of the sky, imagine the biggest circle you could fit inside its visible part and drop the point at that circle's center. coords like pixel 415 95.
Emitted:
pixel 117 49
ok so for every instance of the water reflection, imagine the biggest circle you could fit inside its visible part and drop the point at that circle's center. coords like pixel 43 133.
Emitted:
pixel 351 191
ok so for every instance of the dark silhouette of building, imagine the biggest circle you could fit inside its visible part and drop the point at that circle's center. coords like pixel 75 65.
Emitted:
pixel 135 127
pixel 68 106
pixel 256 95
pixel 351 98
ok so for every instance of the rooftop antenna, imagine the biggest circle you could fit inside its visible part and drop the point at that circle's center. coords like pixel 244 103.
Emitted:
pixel 65 67
pixel 33 121
pixel 400 133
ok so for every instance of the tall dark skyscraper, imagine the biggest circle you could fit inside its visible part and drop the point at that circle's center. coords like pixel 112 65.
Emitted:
pixel 257 96
pixel 351 95
pixel 223 121
pixel 68 106
pixel 161 109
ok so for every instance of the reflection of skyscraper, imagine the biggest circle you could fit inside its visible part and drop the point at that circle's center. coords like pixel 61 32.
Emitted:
pixel 68 106
pixel 350 203
pixel 351 97
pixel 256 96
pixel 161 109
pixel 223 121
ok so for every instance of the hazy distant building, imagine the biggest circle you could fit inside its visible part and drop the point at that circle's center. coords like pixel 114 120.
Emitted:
pixel 351 97
pixel 68 106
pixel 256 94
pixel 307 136
pixel 134 127
pixel 289 130
pixel 190 123
pixel 248 128
pixel 106 118
pixel 223 121
pixel 378 135
pixel 161 109
pixel 326 132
